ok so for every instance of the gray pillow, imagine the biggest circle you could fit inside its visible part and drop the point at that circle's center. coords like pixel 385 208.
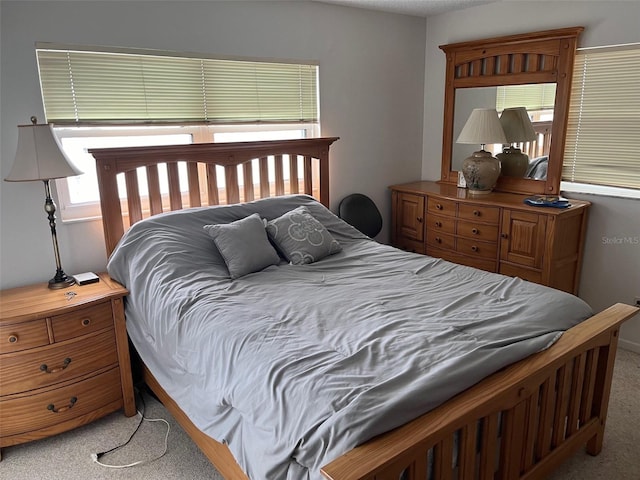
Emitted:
pixel 244 245
pixel 301 238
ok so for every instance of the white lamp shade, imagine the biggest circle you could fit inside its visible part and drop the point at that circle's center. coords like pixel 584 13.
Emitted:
pixel 517 125
pixel 40 156
pixel 482 127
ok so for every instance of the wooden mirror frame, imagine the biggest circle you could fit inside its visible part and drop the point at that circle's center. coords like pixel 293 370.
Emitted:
pixel 538 57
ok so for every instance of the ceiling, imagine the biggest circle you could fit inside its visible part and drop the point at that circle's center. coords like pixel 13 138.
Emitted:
pixel 420 8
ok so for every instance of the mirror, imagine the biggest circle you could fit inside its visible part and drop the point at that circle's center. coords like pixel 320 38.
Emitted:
pixel 539 101
pixel 477 70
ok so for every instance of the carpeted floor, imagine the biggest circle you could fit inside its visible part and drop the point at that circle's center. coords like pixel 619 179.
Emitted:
pixel 68 456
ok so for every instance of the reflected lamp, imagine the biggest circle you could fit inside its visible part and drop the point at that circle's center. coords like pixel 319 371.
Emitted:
pixel 481 169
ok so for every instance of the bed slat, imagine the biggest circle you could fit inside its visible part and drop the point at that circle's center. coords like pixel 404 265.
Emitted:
pixel 489 446
pixel 153 182
pixel 212 185
pixel 468 436
pixel 293 173
pixel 264 177
pixel 194 184
pixel 231 181
pixel 279 175
pixel 308 182
pixel 577 380
pixel 133 196
pixel 247 174
pixel 175 197
pixel 589 384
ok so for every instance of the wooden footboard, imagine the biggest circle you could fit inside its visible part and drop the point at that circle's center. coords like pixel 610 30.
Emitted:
pixel 518 423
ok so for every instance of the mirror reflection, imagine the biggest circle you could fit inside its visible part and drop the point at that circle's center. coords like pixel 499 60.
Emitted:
pixel 537 99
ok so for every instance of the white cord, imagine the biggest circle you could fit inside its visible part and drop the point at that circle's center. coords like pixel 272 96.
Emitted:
pixel 95 456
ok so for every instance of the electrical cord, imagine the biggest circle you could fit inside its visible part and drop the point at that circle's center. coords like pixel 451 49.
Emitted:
pixel 96 456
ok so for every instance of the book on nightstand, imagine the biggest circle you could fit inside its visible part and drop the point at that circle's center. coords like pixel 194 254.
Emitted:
pixel 86 278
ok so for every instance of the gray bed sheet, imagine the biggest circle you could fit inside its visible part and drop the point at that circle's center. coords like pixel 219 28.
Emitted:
pixel 294 365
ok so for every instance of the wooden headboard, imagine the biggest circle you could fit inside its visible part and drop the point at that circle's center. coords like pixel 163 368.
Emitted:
pixel 201 174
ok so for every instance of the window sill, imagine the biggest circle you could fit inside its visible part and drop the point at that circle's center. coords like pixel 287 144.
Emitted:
pixel 599 190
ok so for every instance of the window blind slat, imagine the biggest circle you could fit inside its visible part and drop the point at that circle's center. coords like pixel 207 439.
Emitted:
pixel 100 87
pixel 604 114
pixel 533 97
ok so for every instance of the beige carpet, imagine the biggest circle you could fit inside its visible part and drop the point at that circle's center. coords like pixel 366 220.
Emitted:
pixel 68 456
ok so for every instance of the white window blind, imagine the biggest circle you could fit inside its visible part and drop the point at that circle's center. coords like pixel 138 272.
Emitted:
pixel 88 87
pixel 603 133
pixel 539 96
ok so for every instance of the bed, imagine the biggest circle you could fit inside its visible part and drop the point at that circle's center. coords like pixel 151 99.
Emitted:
pixel 515 412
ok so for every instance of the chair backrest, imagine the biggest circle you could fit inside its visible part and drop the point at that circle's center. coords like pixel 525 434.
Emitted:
pixel 361 212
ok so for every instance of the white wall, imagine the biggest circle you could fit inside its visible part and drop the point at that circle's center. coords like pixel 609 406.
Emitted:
pixel 611 271
pixel 371 87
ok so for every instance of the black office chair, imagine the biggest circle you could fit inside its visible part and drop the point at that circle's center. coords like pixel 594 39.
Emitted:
pixel 359 211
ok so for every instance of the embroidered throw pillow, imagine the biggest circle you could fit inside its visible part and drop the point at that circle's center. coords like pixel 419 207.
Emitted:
pixel 301 238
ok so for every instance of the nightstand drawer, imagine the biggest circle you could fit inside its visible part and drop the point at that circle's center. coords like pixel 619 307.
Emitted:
pixel 56 363
pixel 81 322
pixel 441 207
pixel 478 231
pixel 23 335
pixel 482 214
pixel 24 414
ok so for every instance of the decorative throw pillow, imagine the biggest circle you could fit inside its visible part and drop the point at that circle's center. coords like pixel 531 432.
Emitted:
pixel 244 245
pixel 301 238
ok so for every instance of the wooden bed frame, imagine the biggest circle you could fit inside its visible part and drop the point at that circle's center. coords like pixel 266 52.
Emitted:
pixel 520 422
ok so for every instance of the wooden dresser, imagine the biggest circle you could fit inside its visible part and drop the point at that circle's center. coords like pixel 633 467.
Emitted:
pixel 64 359
pixel 496 232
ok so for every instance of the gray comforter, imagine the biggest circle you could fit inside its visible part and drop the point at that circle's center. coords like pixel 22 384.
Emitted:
pixel 294 365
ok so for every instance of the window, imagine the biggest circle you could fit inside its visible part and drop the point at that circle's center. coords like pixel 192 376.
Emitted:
pixel 604 113
pixel 105 98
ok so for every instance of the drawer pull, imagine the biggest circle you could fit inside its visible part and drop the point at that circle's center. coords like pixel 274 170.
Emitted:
pixel 72 401
pixel 504 235
pixel 65 364
pixel 13 338
pixel 86 322
pixel 474 248
pixel 419 219
pixel 438 239
pixel 438 206
pixel 438 224
pixel 476 213
pixel 474 231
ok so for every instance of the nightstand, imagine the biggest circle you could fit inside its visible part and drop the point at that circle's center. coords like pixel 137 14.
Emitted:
pixel 64 358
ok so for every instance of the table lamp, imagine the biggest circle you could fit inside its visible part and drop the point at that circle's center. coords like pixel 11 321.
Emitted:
pixel 40 156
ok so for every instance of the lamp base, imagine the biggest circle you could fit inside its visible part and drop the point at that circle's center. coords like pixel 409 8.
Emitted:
pixel 61 280
pixel 514 162
pixel 481 171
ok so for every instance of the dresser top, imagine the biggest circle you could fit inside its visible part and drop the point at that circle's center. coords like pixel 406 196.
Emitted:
pixel 37 301
pixel 498 199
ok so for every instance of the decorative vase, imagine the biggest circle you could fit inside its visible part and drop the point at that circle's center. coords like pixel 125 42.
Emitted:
pixel 513 162
pixel 481 171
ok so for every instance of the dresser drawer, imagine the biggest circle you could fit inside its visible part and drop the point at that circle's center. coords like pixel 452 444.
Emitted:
pixel 41 410
pixel 23 335
pixel 478 231
pixel 82 321
pixel 409 245
pixel 479 249
pixel 441 240
pixel 441 207
pixel 41 367
pixel 441 224
pixel 479 213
